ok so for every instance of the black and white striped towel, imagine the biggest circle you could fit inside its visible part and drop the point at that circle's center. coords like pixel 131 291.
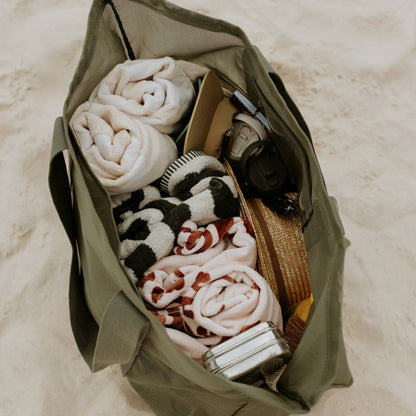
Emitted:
pixel 148 224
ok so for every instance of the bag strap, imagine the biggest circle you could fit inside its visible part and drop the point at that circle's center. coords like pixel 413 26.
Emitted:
pixel 280 86
pixel 126 41
pixel 83 324
pixel 123 328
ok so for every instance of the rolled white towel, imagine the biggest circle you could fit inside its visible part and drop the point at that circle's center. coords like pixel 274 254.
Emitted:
pixel 155 91
pixel 124 153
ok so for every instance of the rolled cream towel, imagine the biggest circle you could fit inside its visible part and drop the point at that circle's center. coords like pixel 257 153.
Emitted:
pixel 125 154
pixel 155 91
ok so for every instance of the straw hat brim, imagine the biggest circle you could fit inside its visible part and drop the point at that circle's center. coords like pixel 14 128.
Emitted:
pixel 282 258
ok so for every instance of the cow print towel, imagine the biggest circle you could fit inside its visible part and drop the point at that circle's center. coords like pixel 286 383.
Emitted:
pixel 198 189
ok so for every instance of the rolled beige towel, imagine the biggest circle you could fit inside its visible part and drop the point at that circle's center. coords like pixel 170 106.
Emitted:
pixel 124 153
pixel 156 91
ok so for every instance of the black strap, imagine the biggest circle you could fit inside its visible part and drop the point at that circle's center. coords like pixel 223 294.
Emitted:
pixel 83 324
pixel 121 27
pixel 277 81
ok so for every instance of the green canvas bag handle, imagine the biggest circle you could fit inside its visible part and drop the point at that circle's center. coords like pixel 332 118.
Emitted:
pixel 122 329
pixel 84 327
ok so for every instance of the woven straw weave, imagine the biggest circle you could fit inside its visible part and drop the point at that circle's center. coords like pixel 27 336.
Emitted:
pixel 281 250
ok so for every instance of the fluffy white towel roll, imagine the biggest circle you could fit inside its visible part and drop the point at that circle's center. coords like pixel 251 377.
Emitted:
pixel 124 153
pixel 155 91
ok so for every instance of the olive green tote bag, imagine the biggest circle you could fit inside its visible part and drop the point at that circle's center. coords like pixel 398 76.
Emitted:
pixel 109 320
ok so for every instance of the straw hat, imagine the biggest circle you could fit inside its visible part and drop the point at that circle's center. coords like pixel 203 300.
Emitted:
pixel 282 258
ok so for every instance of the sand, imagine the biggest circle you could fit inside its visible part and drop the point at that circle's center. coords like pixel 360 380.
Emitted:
pixel 350 67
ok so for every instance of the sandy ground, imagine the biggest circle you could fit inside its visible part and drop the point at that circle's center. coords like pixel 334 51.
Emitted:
pixel 350 66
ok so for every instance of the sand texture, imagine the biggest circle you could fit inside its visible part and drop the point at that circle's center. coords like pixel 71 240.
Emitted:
pixel 350 67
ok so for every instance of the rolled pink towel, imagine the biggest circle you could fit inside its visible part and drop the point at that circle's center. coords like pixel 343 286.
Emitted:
pixel 210 306
pixel 209 290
